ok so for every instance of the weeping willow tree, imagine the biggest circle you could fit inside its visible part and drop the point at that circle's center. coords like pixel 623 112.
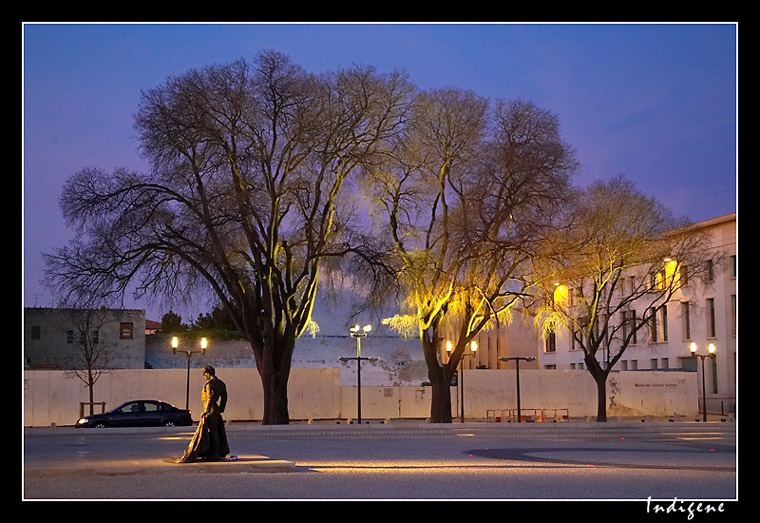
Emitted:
pixel 467 198
pixel 248 197
pixel 625 258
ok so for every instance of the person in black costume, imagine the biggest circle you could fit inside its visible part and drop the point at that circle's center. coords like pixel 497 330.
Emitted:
pixel 210 440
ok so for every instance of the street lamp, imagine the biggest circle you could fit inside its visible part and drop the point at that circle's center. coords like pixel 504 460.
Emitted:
pixel 359 333
pixel 175 348
pixel 517 360
pixel 711 351
pixel 460 384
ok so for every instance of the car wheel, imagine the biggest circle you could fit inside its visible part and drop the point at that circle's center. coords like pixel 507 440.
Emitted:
pixel 169 423
pixel 99 424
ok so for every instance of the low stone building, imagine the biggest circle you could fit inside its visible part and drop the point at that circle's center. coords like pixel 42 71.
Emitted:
pixel 67 338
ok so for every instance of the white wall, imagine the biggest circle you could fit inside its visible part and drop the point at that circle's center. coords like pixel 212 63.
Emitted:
pixel 628 393
pixel 55 396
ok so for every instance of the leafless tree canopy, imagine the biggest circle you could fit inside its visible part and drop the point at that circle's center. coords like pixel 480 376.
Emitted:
pixel 467 198
pixel 250 166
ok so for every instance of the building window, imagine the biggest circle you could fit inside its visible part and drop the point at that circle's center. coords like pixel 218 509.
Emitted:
pixel 70 336
pixel 126 330
pixel 664 323
pixel 683 274
pixel 686 320
pixel 550 342
pixel 710 271
pixel 658 324
pixel 629 326
pixel 710 317
pixel 651 282
pixel 36 333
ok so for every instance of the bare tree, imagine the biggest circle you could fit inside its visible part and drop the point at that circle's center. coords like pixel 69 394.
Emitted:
pixel 515 202
pixel 90 358
pixel 468 198
pixel 247 197
pixel 624 260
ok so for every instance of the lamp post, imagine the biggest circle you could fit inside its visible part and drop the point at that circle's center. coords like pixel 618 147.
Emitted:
pixel 359 333
pixel 175 348
pixel 711 351
pixel 460 385
pixel 517 360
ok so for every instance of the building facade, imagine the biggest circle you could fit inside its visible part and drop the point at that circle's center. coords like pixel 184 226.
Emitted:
pixel 518 339
pixel 698 315
pixel 67 338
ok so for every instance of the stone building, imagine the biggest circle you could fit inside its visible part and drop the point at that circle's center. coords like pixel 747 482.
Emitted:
pixel 66 338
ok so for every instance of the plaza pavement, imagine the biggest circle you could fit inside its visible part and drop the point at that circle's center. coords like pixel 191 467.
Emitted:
pixel 632 429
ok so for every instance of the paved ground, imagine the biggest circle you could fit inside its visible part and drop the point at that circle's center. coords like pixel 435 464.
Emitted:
pixel 400 460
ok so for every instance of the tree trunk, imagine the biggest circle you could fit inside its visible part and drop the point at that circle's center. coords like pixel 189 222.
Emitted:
pixel 440 403
pixel 601 396
pixel 600 378
pixel 440 376
pixel 274 370
pixel 275 398
pixel 91 387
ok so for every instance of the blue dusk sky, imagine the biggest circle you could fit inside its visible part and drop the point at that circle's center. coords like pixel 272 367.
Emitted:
pixel 655 102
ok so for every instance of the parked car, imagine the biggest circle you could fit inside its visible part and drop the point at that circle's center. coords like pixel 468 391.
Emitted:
pixel 139 413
